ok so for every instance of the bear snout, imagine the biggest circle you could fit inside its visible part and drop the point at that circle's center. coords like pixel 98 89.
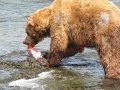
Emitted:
pixel 27 41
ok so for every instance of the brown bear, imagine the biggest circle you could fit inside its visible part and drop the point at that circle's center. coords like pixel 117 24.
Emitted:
pixel 75 24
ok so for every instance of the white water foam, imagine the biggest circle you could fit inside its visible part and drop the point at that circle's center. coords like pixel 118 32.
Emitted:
pixel 44 75
pixel 31 83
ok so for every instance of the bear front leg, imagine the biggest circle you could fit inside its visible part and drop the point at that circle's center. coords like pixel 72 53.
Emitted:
pixel 58 45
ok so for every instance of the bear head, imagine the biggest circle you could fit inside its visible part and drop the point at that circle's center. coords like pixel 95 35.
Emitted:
pixel 38 26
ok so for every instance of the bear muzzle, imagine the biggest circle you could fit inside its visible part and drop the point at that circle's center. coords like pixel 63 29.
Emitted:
pixel 25 42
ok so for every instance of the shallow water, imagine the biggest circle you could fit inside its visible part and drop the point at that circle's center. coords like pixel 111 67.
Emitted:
pixel 80 72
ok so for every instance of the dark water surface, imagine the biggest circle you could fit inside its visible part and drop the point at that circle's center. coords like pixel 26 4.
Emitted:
pixel 80 72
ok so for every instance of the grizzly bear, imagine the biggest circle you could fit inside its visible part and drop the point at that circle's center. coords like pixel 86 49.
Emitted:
pixel 75 24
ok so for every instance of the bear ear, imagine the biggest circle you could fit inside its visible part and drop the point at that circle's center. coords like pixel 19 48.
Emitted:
pixel 30 23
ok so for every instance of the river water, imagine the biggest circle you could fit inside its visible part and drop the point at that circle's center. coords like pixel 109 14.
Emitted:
pixel 80 72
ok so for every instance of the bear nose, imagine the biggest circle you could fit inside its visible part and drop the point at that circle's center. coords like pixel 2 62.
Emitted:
pixel 24 42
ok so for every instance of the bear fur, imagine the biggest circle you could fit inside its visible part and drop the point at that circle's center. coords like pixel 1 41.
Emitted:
pixel 75 24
